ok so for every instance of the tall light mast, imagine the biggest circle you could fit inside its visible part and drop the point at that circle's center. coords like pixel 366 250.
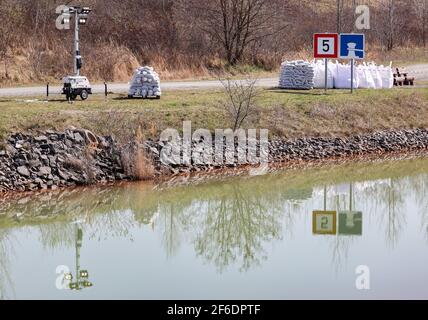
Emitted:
pixel 76 84
pixel 80 18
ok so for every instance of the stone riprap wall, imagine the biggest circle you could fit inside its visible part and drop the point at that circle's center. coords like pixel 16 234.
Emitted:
pixel 50 159
pixel 313 149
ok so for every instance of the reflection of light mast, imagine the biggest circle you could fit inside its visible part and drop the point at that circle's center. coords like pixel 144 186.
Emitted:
pixel 82 276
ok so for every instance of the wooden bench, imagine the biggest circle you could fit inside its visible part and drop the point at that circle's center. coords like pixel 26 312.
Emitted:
pixel 402 79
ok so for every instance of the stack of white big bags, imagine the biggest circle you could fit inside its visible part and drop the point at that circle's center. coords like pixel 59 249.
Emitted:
pixel 319 74
pixel 372 76
pixel 366 76
pixel 297 75
pixel 145 83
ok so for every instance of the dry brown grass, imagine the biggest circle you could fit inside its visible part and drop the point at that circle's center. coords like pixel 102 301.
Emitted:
pixel 143 165
pixel 114 63
pixel 137 163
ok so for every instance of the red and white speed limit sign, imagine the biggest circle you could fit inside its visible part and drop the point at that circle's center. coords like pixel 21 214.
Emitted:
pixel 326 45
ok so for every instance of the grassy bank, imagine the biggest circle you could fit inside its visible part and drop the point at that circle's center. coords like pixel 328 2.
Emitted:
pixel 285 113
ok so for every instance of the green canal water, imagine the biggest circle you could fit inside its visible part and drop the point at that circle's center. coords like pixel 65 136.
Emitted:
pixel 233 238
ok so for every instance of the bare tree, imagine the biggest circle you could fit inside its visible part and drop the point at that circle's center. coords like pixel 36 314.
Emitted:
pixel 11 16
pixel 241 97
pixel 420 8
pixel 235 24
pixel 386 24
pixel 339 12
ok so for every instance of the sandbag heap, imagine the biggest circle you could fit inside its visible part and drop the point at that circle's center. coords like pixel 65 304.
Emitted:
pixel 319 74
pixel 309 75
pixel 145 83
pixel 366 76
pixel 297 75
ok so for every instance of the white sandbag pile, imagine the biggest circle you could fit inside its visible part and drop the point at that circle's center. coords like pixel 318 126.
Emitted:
pixel 297 75
pixel 372 76
pixel 343 76
pixel 145 83
pixel 366 76
pixel 319 74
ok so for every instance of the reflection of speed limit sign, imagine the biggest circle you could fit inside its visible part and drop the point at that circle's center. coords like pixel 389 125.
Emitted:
pixel 324 222
pixel 326 45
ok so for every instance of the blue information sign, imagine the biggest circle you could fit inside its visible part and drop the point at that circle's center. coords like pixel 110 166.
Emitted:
pixel 352 46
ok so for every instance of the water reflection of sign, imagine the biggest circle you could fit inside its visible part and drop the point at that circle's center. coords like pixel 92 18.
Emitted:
pixel 324 222
pixel 350 223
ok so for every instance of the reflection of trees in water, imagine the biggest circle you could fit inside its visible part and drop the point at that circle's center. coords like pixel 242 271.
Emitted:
pixel 420 184
pixel 230 222
pixel 340 247
pixel 236 225
pixel 171 223
pixel 395 214
pixel 102 211
pixel 56 235
pixel 386 201
pixel 6 250
pixel 341 244
pixel 111 225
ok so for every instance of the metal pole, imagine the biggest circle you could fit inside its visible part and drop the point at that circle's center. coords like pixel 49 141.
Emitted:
pixel 47 90
pixel 76 42
pixel 79 239
pixel 325 198
pixel 326 72
pixel 352 75
pixel 105 89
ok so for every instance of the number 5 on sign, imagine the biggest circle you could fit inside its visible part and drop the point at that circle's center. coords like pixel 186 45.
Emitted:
pixel 326 45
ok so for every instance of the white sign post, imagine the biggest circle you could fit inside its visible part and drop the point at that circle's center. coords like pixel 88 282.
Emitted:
pixel 326 46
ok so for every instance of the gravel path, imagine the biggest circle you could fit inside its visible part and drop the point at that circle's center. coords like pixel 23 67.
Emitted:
pixel 123 87
pixel 419 71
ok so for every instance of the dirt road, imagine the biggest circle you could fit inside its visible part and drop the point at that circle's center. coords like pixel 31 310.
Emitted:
pixel 419 71
pixel 123 87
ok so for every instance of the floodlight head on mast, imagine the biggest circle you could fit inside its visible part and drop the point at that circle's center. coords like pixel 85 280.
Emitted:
pixel 66 19
pixel 83 20
pixel 81 14
pixel 85 10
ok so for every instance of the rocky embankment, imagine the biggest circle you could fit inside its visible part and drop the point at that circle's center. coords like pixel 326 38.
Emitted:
pixel 315 149
pixel 376 143
pixel 50 160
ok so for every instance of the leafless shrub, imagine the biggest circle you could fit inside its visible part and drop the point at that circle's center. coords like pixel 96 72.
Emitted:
pixel 322 112
pixel 240 99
